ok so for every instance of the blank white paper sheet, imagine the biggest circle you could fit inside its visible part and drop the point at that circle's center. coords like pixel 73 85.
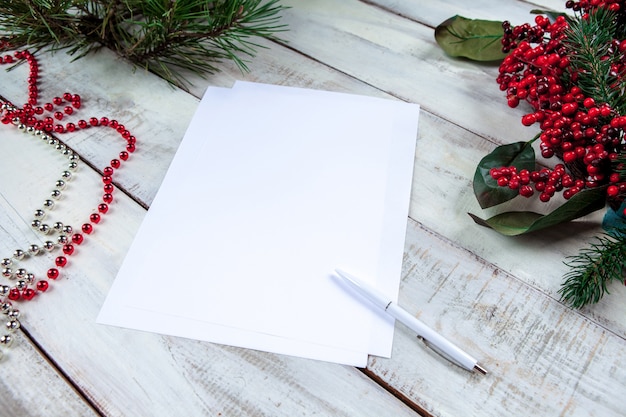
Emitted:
pixel 271 190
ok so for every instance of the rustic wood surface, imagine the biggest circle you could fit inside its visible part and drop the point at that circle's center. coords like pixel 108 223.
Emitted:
pixel 496 296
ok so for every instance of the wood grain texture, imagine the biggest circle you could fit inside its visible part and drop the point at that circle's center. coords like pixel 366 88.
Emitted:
pixel 496 296
pixel 134 373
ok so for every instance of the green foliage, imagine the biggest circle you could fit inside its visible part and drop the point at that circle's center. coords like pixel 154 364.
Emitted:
pixel 588 46
pixel 519 154
pixel 471 38
pixel 168 37
pixel 515 223
pixel 593 269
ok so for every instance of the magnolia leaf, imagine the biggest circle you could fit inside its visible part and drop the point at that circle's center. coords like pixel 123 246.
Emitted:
pixel 471 38
pixel 521 155
pixel 515 223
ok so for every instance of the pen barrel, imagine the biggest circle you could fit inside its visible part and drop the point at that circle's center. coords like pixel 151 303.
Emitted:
pixel 436 341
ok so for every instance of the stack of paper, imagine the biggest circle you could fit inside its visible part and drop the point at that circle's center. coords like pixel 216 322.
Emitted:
pixel 273 188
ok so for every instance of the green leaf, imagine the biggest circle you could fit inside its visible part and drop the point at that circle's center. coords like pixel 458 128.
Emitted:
pixel 471 38
pixel 521 155
pixel 515 223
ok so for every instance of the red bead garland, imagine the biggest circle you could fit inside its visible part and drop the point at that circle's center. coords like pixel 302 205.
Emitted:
pixel 46 118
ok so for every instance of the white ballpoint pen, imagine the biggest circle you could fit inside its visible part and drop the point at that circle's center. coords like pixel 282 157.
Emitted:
pixel 433 339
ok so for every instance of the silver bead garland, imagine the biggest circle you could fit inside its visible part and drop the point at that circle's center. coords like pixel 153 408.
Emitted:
pixel 18 277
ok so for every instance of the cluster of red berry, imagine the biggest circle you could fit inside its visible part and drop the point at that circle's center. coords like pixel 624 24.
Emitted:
pixel 587 136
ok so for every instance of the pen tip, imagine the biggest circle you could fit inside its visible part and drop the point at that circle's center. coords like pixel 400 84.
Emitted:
pixel 480 369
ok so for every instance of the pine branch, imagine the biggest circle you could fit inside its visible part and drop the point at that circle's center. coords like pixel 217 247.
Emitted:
pixel 588 44
pixel 593 269
pixel 165 36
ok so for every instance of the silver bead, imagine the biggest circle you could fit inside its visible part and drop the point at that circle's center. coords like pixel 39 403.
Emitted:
pixel 21 273
pixel 48 245
pixel 30 130
pixel 44 228
pixel 14 313
pixel 56 194
pixel 63 239
pixel 33 249
pixel 49 204
pixel 4 290
pixel 38 132
pixel 6 262
pixel 6 340
pixel 30 278
pixel 52 141
pixel 45 138
pixel 7 272
pixel 58 226
pixel 21 284
pixel 40 214
pixel 68 230
pixel 67 152
pixel 60 147
pixel 21 127
pixel 5 307
pixel 35 224
pixel 19 254
pixel 15 120
pixel 66 175
pixel 73 166
pixel 12 325
pixel 74 157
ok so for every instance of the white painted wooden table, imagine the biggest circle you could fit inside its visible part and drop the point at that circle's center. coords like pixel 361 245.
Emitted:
pixel 497 296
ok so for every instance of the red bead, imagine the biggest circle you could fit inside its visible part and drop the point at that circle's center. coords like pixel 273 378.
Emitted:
pixel 57 100
pixel 77 238
pixel 59 129
pixel 60 261
pixel 108 188
pixel 115 163
pixel 14 294
pixel 95 218
pixel 53 273
pixel 124 155
pixel 68 110
pixel 67 97
pixel 104 121
pixel 58 115
pixel 68 249
pixel 28 293
pixel 87 228
pixel 82 124
pixel 108 171
pixel 113 124
pixel 107 198
pixel 42 286
pixel 103 208
pixel 70 127
pixel 76 104
pixel 94 121
pixel 130 147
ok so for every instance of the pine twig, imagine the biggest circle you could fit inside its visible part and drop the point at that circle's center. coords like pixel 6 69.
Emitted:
pixel 594 268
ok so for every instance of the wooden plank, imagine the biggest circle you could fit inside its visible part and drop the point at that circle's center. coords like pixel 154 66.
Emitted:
pixel 133 373
pixel 461 92
pixel 542 358
pixel 30 387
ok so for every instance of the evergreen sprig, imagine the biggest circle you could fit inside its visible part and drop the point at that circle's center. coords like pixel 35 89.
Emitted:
pixel 168 37
pixel 593 268
pixel 589 44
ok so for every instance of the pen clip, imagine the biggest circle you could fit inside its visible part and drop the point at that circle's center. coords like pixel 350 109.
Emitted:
pixel 444 355
pixel 438 351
